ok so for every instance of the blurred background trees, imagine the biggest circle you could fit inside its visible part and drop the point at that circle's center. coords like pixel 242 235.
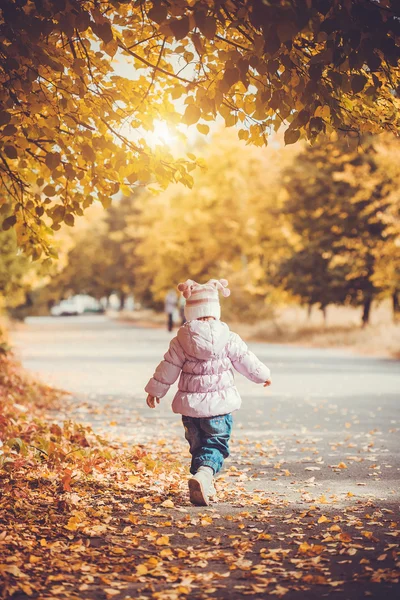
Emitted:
pixel 343 207
pixel 311 225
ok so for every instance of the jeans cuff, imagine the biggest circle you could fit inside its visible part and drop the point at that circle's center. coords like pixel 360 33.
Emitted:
pixel 208 463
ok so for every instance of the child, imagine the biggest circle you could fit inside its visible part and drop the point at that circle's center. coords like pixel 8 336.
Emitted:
pixel 203 353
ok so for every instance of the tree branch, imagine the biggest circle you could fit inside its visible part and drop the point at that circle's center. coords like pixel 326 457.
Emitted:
pixel 155 67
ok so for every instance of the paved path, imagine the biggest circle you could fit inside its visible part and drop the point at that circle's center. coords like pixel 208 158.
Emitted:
pixel 326 432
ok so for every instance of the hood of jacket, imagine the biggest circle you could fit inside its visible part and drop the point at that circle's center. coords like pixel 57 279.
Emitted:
pixel 203 339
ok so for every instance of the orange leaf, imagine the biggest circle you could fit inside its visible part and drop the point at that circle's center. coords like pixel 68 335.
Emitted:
pixel 66 480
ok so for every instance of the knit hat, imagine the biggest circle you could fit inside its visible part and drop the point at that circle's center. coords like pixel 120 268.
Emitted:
pixel 202 300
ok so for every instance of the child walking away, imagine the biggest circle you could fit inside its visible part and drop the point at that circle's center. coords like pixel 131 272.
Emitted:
pixel 204 353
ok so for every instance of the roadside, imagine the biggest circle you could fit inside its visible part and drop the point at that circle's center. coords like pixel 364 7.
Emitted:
pixel 381 339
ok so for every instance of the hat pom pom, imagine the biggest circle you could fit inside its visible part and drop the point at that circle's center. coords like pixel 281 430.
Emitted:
pixel 225 291
pixel 186 288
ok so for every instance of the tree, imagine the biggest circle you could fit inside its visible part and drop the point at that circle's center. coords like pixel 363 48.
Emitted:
pixel 16 272
pixel 387 265
pixel 338 202
pixel 99 259
pixel 229 225
pixel 118 247
pixel 308 275
pixel 73 125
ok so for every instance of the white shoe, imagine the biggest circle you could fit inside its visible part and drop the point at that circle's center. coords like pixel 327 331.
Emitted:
pixel 213 491
pixel 201 486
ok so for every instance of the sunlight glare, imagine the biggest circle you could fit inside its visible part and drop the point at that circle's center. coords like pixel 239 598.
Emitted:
pixel 161 133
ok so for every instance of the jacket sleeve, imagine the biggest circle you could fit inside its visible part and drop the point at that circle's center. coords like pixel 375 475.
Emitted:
pixel 245 361
pixel 167 371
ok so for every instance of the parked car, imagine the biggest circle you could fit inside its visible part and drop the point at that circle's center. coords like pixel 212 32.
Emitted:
pixel 76 305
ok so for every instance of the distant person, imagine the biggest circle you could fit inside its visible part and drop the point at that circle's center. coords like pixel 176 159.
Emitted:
pixel 170 307
pixel 203 353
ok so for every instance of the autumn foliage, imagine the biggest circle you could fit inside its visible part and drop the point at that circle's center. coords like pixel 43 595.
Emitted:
pixel 73 119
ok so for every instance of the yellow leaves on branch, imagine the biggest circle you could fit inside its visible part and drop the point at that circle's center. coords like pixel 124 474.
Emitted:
pixel 73 119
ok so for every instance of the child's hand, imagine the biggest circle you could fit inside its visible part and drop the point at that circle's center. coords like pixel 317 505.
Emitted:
pixel 267 383
pixel 151 401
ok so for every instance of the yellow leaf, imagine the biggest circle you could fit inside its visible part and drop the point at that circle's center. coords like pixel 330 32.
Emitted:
pixel 34 559
pixel 133 479
pixel 168 504
pixel 141 570
pixel 191 535
pixel 72 524
pixel 163 540
pixel 13 570
pixel 264 536
pixel 342 465
pixel 192 114
pixel 204 129
pixel 323 111
pixel 126 190
pixel 310 549
pixel 133 518
pixel 368 534
pixel 323 519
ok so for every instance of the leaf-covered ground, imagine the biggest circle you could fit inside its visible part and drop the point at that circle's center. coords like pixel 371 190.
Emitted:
pixel 83 517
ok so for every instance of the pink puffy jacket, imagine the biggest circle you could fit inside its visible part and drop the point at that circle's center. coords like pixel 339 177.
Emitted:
pixel 203 353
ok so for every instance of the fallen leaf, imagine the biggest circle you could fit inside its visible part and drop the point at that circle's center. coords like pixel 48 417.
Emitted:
pixel 323 519
pixel 141 570
pixel 13 570
pixel 163 540
pixel 168 504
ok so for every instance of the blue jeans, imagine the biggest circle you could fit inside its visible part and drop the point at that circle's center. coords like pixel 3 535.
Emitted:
pixel 208 440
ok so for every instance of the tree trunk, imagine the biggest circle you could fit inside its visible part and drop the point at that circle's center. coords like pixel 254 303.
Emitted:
pixel 323 308
pixel 366 311
pixel 122 298
pixel 309 310
pixel 396 305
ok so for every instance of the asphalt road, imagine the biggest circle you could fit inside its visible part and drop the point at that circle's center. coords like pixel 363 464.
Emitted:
pixel 330 400
pixel 327 431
